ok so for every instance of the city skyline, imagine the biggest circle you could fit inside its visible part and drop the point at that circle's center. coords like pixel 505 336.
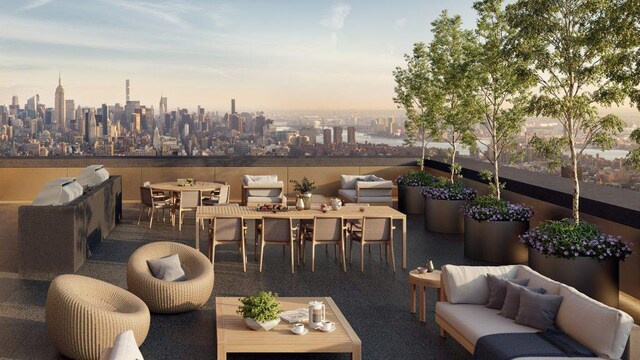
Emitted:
pixel 282 55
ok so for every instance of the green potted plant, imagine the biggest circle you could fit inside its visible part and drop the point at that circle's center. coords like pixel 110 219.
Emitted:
pixel 410 185
pixel 443 200
pixel 571 89
pixel 261 311
pixel 304 188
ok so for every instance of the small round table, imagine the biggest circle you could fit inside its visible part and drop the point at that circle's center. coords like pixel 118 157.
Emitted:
pixel 198 186
pixel 422 282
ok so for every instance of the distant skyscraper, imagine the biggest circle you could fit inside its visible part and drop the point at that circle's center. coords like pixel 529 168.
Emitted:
pixel 233 106
pixel 49 116
pixel 326 136
pixel 92 129
pixel 32 106
pixel 105 118
pixel 337 135
pixel 351 135
pixel 59 114
pixel 127 92
pixel 70 108
pixel 163 107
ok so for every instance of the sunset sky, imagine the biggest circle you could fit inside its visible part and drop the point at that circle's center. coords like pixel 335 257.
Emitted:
pixel 267 54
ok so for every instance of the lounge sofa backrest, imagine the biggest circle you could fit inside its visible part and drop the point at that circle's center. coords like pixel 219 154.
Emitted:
pixel 468 284
pixel 259 179
pixel 350 181
pixel 601 328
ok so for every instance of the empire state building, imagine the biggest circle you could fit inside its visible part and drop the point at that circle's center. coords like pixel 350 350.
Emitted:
pixel 59 113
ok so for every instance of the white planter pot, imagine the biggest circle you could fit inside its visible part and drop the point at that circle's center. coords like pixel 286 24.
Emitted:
pixel 261 326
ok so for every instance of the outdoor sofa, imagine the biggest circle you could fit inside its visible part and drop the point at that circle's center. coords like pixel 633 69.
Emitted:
pixel 262 189
pixel 462 314
pixel 369 189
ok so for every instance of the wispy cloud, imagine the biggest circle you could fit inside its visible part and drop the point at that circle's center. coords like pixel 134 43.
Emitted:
pixel 337 16
pixel 400 22
pixel 167 11
pixel 34 4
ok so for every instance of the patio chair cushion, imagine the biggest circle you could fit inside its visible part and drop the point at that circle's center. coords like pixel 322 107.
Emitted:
pixel 124 348
pixel 264 199
pixel 259 179
pixel 167 268
pixel 349 181
pixel 350 195
pixel 468 284
pixel 170 296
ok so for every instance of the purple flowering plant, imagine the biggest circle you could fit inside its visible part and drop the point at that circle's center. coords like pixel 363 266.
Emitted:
pixel 443 189
pixel 566 239
pixel 488 208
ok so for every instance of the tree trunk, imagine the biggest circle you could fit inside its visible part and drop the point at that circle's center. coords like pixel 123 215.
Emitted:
pixel 423 152
pixel 453 162
pixel 576 183
pixel 496 168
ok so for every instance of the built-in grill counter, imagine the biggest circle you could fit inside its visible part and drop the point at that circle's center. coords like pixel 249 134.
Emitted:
pixel 59 229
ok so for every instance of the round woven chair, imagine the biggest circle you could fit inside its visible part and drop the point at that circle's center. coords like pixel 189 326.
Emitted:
pixel 170 297
pixel 84 315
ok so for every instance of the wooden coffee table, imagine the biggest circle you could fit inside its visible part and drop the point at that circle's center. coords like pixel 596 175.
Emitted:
pixel 234 336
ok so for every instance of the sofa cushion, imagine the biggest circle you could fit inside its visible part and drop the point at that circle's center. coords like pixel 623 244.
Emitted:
pixel 538 280
pixel 538 310
pixel 468 284
pixel 348 194
pixel 579 315
pixel 348 181
pixel 512 299
pixel 269 192
pixel 264 199
pixel 259 179
pixel 475 321
pixel 498 290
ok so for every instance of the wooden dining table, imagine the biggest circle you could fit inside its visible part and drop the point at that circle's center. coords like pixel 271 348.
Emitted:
pixel 347 212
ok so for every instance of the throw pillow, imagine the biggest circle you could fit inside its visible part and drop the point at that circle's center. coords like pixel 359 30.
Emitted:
pixel 124 348
pixel 167 268
pixel 538 310
pixel 512 300
pixel 498 290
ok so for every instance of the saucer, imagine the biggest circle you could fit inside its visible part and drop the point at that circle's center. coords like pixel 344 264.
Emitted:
pixel 333 328
pixel 300 333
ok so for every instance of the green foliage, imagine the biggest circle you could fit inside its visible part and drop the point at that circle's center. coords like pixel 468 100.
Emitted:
pixel 577 57
pixel 416 178
pixel 551 149
pixel 261 307
pixel 488 176
pixel 303 186
pixel 633 157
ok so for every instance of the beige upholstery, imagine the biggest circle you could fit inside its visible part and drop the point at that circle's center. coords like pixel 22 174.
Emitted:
pixel 152 201
pixel 262 189
pixel 228 231
pixel 189 201
pixel 279 231
pixel 324 231
pixel 604 330
pixel 84 315
pixel 167 296
pixel 365 189
pixel 375 230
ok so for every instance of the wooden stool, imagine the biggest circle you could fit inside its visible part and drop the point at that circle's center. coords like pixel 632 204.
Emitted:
pixel 423 281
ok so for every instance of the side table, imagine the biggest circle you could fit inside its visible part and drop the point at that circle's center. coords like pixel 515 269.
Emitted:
pixel 422 282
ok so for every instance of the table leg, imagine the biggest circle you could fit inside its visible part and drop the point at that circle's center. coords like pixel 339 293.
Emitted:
pixel 412 304
pixel 222 353
pixel 404 243
pixel 197 234
pixel 357 352
pixel 422 305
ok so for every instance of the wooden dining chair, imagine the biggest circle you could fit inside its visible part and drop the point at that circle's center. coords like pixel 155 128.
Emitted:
pixel 189 201
pixel 375 231
pixel 326 230
pixel 228 230
pixel 278 231
pixel 222 196
pixel 152 202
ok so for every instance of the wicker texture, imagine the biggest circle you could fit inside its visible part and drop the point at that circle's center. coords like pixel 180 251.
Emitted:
pixel 84 315
pixel 166 296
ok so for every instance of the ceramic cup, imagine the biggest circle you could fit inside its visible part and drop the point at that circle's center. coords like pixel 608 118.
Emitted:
pixel 298 327
pixel 327 325
pixel 421 270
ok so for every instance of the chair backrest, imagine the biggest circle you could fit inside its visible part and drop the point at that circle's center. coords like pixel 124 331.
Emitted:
pixel 189 199
pixel 377 228
pixel 145 196
pixel 328 228
pixel 276 229
pixel 147 183
pixel 228 228
pixel 223 198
